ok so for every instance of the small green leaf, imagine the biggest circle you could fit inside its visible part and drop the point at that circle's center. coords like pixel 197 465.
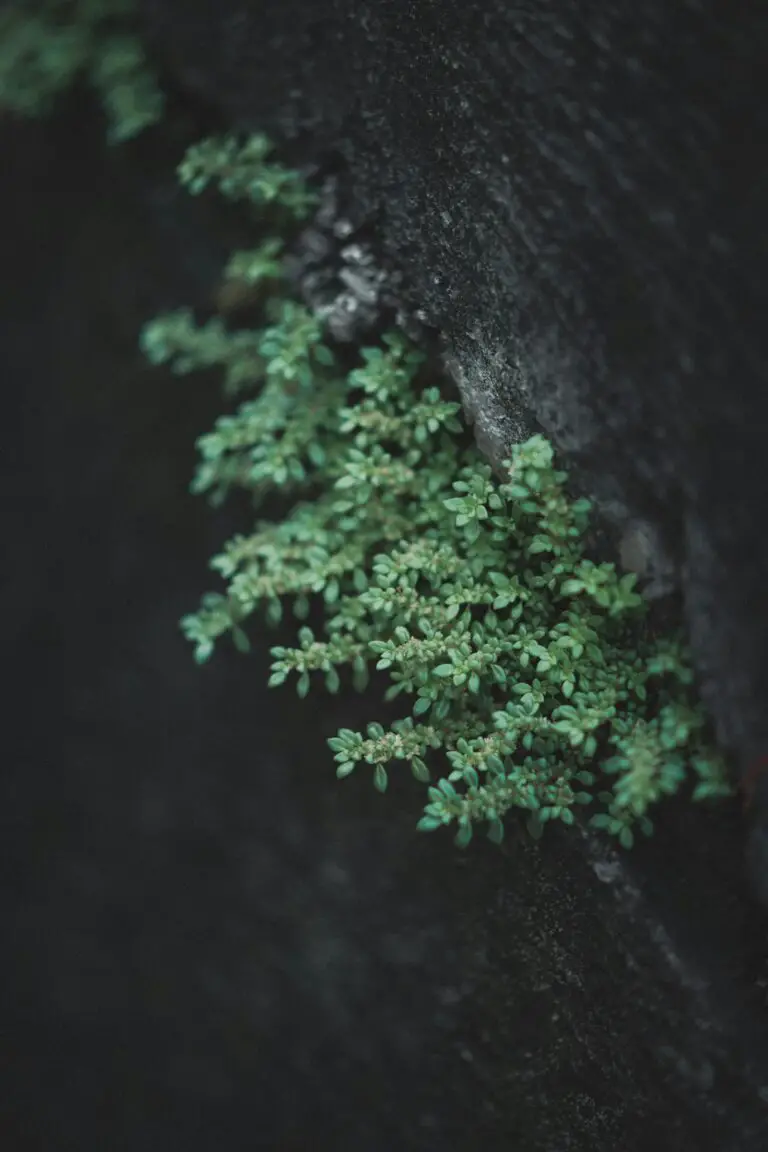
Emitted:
pixel 420 770
pixel 360 674
pixel 589 747
pixel 495 831
pixel 429 824
pixel 240 640
pixel 274 612
pixel 463 836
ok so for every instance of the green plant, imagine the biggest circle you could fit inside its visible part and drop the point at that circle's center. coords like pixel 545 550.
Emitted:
pixel 532 679
pixel 45 46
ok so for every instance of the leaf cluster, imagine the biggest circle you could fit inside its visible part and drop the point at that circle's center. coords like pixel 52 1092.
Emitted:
pixel 529 677
pixel 47 45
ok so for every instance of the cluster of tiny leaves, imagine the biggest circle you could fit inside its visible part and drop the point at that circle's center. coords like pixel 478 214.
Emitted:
pixel 45 46
pixel 531 679
pixel 241 170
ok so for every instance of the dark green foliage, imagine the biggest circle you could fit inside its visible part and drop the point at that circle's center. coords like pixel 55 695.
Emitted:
pixel 47 45
pixel 531 678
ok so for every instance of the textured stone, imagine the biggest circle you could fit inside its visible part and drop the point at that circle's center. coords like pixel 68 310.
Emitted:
pixel 575 195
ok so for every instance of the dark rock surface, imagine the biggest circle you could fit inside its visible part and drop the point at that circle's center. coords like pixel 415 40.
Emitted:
pixel 575 194
pixel 208 942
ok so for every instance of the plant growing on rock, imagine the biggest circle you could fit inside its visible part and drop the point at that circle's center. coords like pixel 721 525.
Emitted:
pixel 531 680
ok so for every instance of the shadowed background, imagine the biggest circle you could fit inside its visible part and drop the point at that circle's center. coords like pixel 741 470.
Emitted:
pixel 211 943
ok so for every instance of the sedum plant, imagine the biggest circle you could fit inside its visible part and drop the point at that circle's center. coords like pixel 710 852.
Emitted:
pixel 46 45
pixel 529 677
